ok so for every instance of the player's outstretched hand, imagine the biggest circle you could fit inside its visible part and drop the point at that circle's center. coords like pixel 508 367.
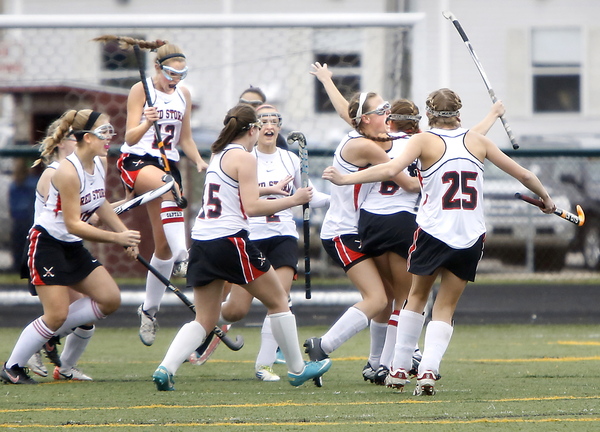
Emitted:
pixel 321 71
pixel 333 175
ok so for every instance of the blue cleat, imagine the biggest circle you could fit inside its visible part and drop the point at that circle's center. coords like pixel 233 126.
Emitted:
pixel 163 379
pixel 312 370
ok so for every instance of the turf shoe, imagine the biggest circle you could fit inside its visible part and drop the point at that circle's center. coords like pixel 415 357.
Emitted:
pixel 72 374
pixel 163 379
pixel 426 384
pixel 16 375
pixel 380 375
pixel 265 373
pixel 148 327
pixel 397 379
pixel 368 373
pixel 314 350
pixel 279 358
pixel 312 370
pixel 180 269
pixel 416 361
pixel 36 365
pixel 51 350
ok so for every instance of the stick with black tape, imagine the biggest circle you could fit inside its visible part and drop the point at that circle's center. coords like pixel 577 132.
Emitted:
pixel 303 153
pixel 450 16
pixel 578 219
pixel 233 345
pixel 180 200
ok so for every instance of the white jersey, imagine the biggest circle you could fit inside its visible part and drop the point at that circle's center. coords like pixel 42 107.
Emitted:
pixel 171 109
pixel 452 205
pixel 40 201
pixel 271 168
pixel 91 193
pixel 221 214
pixel 387 197
pixel 342 216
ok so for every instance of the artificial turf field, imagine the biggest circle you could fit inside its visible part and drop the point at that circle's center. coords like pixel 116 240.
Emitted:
pixel 497 377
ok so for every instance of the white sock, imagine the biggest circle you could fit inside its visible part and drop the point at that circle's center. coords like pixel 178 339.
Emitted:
pixel 174 228
pixel 410 325
pixel 31 340
pixel 283 326
pixel 378 332
pixel 437 338
pixel 268 345
pixel 82 311
pixel 349 324
pixel 390 340
pixel 75 345
pixel 155 289
pixel 189 337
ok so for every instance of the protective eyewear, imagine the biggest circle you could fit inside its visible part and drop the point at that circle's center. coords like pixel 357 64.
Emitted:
pixel 382 109
pixel 104 132
pixel 257 124
pixel 254 103
pixel 172 73
pixel 400 117
pixel 270 119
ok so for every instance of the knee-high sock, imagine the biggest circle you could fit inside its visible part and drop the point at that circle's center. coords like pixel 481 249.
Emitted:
pixel 31 340
pixel 283 326
pixel 174 228
pixel 155 289
pixel 82 311
pixel 378 332
pixel 437 338
pixel 189 337
pixel 410 325
pixel 390 340
pixel 349 324
pixel 75 345
pixel 268 345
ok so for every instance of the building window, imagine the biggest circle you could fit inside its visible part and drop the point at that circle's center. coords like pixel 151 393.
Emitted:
pixel 556 62
pixel 340 49
pixel 345 78
pixel 119 66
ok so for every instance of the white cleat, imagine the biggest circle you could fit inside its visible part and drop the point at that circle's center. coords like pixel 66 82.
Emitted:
pixel 36 365
pixel 72 374
pixel 265 373
pixel 397 379
pixel 148 327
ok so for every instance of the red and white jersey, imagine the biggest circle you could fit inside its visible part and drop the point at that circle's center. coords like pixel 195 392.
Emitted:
pixel 40 201
pixel 387 197
pixel 91 196
pixel 342 216
pixel 221 214
pixel 271 168
pixel 171 109
pixel 452 205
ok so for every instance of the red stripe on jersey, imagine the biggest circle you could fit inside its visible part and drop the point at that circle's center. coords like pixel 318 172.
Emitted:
pixel 356 192
pixel 242 206
pixel 413 246
pixel 346 255
pixel 36 279
pixel 58 205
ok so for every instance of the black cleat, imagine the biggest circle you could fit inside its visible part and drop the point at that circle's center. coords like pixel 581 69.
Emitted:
pixel 51 350
pixel 16 375
pixel 314 350
pixel 380 375
pixel 368 373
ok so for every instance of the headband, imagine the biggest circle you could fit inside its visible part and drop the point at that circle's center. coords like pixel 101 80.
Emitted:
pixel 443 113
pixel 91 120
pixel 361 101
pixel 169 56
pixel 398 117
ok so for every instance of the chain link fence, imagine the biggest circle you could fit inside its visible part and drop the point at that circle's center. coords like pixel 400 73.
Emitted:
pixel 50 65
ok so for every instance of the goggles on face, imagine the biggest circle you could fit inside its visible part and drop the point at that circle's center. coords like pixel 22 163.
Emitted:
pixel 172 73
pixel 382 109
pixel 399 117
pixel 104 132
pixel 270 119
pixel 254 103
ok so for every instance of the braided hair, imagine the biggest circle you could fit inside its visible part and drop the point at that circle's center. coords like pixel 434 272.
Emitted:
pixel 443 107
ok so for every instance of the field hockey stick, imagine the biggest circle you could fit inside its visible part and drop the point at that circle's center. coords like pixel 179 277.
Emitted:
pixel 450 16
pixel 148 196
pixel 180 200
pixel 578 219
pixel 233 345
pixel 303 153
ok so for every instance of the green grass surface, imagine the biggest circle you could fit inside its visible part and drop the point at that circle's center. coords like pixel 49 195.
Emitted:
pixel 509 377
